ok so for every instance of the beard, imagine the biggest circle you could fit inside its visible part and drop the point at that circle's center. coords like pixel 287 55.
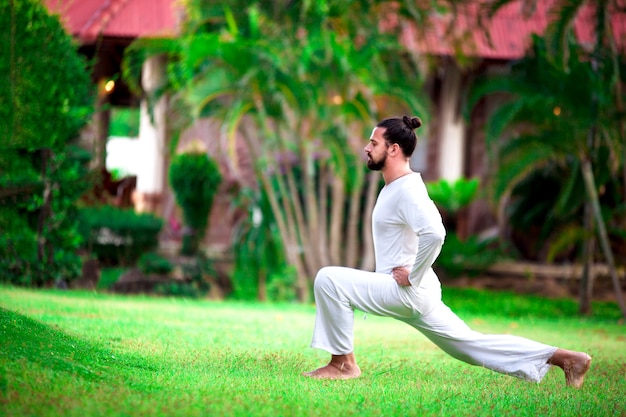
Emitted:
pixel 376 165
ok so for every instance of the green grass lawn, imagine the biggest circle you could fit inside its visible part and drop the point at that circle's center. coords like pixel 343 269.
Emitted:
pixel 66 353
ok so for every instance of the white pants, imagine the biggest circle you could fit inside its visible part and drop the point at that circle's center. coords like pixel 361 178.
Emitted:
pixel 338 291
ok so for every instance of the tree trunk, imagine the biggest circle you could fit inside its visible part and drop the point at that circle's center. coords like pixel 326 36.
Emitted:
pixel 353 220
pixel 290 245
pixel 312 215
pixel 290 248
pixel 586 282
pixel 368 262
pixel 602 234
pixel 338 193
pixel 323 215
pixel 262 285
pixel 44 214
pixel 300 228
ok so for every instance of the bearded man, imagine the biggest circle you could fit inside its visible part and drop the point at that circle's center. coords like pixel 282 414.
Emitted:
pixel 408 235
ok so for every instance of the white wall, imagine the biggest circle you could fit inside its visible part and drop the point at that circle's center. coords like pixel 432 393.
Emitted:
pixel 452 126
pixel 152 141
pixel 123 155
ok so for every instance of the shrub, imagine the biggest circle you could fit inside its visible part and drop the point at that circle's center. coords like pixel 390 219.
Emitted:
pixel 281 286
pixel 261 271
pixel 109 276
pixel 194 178
pixel 470 257
pixel 195 285
pixel 18 247
pixel 153 263
pixel 453 196
pixel 118 236
pixel 46 97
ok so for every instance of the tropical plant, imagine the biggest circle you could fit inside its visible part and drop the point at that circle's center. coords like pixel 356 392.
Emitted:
pixel 461 254
pixel 606 60
pixel 118 236
pixel 564 116
pixel 154 263
pixel 468 257
pixel 302 86
pixel 451 197
pixel 195 178
pixel 45 99
pixel 197 279
pixel 257 247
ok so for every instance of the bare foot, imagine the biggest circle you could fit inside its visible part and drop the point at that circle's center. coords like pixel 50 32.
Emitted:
pixel 576 368
pixel 574 364
pixel 336 370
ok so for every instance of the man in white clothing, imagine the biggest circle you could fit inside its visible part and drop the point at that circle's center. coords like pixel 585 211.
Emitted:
pixel 408 236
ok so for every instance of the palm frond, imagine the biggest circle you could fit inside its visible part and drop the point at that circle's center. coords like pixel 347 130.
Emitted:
pixel 231 125
pixel 573 188
pixel 491 7
pixel 501 119
pixel 139 52
pixel 565 238
pixel 559 30
pixel 519 159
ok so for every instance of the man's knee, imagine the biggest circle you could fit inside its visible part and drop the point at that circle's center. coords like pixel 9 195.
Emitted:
pixel 323 279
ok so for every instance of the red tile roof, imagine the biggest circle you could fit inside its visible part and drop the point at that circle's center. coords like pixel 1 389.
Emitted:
pixel 88 19
pixel 510 31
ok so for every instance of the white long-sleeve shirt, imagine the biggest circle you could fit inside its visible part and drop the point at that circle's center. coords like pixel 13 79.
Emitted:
pixel 407 229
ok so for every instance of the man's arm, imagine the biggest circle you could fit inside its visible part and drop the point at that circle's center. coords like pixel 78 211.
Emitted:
pixel 430 244
pixel 425 221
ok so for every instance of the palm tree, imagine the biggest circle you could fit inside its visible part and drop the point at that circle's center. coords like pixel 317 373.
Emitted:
pixel 563 14
pixel 301 85
pixel 564 118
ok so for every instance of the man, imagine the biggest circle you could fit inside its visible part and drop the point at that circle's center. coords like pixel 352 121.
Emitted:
pixel 408 235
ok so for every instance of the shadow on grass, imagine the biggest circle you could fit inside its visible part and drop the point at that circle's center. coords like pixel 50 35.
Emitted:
pixel 25 339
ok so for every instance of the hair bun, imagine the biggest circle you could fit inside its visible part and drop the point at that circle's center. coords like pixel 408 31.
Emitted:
pixel 412 122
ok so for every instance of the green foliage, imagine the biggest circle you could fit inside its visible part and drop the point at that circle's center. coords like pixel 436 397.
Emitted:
pixel 257 249
pixel 153 263
pixel 281 285
pixel 468 257
pixel 195 178
pixel 118 174
pixel 118 236
pixel 451 196
pixel 195 284
pixel 540 210
pixel 124 122
pixel 109 276
pixel 45 93
pixel 557 115
pixel 298 82
pixel 549 114
pixel 45 99
pixel 18 248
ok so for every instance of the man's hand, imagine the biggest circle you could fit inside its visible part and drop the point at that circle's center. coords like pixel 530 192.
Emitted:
pixel 401 275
